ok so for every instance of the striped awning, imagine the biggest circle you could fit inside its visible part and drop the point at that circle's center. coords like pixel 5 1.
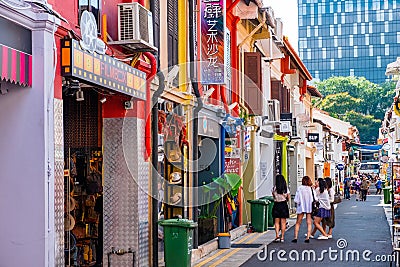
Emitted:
pixel 15 66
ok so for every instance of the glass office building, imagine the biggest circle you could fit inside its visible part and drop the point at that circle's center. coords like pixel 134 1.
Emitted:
pixel 349 37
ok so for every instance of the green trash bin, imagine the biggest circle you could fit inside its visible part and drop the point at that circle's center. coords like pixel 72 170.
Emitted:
pixel 386 195
pixel 258 213
pixel 270 222
pixel 178 242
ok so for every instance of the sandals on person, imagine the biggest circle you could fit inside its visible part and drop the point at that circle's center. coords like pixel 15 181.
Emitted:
pixel 277 239
pixel 294 240
pixel 307 240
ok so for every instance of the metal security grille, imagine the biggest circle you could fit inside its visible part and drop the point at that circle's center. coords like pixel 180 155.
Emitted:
pixel 59 182
pixel 81 121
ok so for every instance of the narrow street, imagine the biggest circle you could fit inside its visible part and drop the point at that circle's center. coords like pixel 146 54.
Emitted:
pixel 361 227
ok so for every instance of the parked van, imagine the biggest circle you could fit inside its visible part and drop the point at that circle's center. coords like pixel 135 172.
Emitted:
pixel 371 168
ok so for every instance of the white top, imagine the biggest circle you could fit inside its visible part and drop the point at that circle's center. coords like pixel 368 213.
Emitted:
pixel 303 199
pixel 323 199
pixel 280 197
pixel 331 193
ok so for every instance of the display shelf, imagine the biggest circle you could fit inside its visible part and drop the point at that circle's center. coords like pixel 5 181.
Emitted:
pixel 175 174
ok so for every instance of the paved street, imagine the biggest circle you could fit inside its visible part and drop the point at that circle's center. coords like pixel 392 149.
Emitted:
pixel 361 228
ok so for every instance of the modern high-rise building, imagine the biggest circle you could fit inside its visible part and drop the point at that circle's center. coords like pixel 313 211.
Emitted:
pixel 349 37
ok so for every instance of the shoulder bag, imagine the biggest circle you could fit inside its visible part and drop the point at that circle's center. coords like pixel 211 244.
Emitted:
pixel 315 204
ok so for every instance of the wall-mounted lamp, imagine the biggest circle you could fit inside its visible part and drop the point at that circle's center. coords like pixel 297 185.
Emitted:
pixel 103 100
pixel 79 95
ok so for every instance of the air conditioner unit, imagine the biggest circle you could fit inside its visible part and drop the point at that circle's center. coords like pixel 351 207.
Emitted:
pixel 135 27
pixel 274 110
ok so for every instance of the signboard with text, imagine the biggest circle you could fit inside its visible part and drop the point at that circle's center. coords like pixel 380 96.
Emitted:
pixel 313 137
pixel 101 70
pixel 213 36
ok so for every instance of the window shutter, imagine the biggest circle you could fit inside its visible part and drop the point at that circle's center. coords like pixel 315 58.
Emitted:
pixel 172 21
pixel 252 83
pixel 275 89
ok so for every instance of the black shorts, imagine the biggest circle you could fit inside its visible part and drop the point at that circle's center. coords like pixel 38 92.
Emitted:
pixel 280 210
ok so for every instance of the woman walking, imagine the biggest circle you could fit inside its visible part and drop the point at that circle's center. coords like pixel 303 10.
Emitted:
pixel 324 210
pixel 329 221
pixel 280 210
pixel 303 200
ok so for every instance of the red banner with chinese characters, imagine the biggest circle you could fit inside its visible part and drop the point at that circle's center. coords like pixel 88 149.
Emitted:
pixel 213 42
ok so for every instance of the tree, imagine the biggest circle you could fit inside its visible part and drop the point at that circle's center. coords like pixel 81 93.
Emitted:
pixel 338 104
pixel 357 100
pixel 367 125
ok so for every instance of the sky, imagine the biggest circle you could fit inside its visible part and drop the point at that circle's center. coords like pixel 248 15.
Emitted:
pixel 287 11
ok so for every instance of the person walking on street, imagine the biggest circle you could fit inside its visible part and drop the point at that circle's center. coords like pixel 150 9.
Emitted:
pixel 324 210
pixel 280 210
pixel 330 221
pixel 303 200
pixel 378 186
pixel 364 189
pixel 347 185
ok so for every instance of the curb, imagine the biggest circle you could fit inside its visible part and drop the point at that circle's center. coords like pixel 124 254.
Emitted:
pixel 212 245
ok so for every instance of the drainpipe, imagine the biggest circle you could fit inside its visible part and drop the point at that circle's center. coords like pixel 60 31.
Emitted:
pixel 195 149
pixel 182 44
pixel 152 143
pixel 233 20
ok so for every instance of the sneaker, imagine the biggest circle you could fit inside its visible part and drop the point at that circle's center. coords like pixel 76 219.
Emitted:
pixel 329 236
pixel 322 237
pixel 311 236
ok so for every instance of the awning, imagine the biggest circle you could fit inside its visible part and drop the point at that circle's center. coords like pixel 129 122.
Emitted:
pixel 15 66
pixel 363 147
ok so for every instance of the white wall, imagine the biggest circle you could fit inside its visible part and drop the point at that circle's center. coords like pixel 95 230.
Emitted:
pixel 26 146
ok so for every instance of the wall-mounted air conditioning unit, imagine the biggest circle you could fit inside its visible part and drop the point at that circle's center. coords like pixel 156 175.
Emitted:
pixel 135 27
pixel 274 110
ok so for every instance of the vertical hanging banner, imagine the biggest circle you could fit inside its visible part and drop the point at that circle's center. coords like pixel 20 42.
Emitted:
pixel 213 54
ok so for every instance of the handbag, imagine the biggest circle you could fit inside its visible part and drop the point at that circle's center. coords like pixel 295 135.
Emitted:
pixel 337 199
pixel 315 204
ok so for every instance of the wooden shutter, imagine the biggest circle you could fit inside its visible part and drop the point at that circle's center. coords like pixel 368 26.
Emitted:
pixel 172 21
pixel 252 83
pixel 275 89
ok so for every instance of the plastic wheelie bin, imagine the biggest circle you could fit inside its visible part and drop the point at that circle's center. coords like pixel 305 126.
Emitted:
pixel 386 195
pixel 178 242
pixel 269 207
pixel 258 214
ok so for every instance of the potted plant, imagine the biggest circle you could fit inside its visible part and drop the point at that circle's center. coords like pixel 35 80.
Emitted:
pixel 214 193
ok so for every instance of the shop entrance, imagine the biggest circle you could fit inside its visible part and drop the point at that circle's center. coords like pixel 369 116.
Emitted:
pixel 83 187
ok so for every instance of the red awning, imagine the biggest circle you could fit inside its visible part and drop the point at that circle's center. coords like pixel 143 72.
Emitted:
pixel 15 66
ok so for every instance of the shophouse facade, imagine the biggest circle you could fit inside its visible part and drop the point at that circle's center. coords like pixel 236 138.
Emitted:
pixel 27 148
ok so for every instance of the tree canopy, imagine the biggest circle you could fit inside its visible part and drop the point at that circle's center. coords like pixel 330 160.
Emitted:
pixel 358 101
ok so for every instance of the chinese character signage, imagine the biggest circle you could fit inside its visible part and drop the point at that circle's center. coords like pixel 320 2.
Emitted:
pixel 212 41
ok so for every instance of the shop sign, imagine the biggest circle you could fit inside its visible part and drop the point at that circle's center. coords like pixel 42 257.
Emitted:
pixel 213 39
pixel 278 157
pixel 286 117
pixel 101 70
pixel 208 126
pixel 313 137
pixel 232 166
pixel 90 42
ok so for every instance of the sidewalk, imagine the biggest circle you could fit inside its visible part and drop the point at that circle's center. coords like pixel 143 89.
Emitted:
pixel 242 249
